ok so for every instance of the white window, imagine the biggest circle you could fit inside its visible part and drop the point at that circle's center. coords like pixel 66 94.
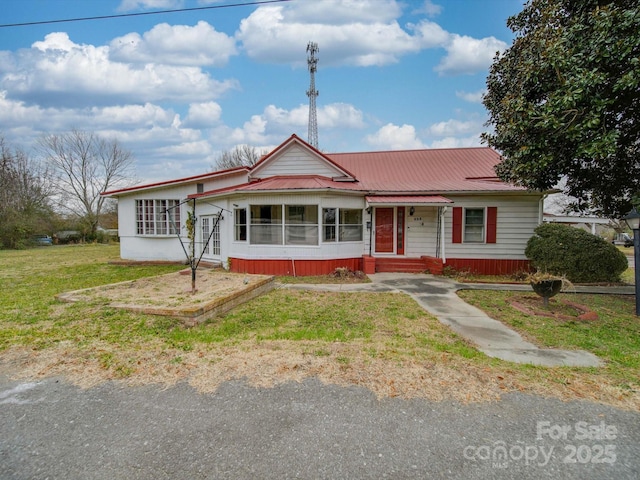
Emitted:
pixel 474 225
pixel 206 228
pixel 342 225
pixel 266 225
pixel 350 225
pixel 157 217
pixel 215 237
pixel 240 223
pixel 301 224
pixel 329 225
pixel 283 225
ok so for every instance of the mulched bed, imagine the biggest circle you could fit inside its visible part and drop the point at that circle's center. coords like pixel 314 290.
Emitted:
pixel 559 309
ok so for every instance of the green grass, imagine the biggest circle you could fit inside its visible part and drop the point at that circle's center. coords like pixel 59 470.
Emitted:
pixel 30 315
pixel 30 279
pixel 614 336
pixel 386 332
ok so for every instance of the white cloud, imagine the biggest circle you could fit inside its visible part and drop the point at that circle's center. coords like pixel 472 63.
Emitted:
pixel 454 127
pixel 279 34
pixel 252 132
pixel 342 12
pixel 57 70
pixel 339 115
pixel 471 97
pixel 203 114
pixel 431 35
pixel 467 55
pixel 394 137
pixel 429 8
pixel 127 115
pixel 198 148
pixel 275 124
pixel 360 33
pixel 456 142
pixel 175 45
pixel 128 5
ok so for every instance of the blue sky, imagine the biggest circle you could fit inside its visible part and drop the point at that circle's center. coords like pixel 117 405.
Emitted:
pixel 178 89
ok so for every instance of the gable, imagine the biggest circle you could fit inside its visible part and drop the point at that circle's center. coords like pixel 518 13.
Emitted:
pixel 295 159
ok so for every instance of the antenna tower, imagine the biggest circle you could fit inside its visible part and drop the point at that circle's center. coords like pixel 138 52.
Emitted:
pixel 312 93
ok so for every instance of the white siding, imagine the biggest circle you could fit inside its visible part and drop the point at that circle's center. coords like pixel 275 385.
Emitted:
pixel 157 247
pixel 517 218
pixel 148 248
pixel 421 232
pixel 222 182
pixel 297 161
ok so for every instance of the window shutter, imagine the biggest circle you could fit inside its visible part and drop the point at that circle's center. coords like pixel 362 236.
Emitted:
pixel 492 224
pixel 457 225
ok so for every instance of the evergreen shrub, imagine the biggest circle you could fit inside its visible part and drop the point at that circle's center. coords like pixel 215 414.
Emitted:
pixel 578 255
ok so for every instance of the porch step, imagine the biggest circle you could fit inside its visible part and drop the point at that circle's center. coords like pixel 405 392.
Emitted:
pixel 409 265
pixel 405 265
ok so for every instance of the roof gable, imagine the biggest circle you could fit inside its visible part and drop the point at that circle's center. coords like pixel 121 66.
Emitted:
pixel 296 157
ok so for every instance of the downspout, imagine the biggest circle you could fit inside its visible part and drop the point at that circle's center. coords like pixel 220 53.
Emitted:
pixel 443 254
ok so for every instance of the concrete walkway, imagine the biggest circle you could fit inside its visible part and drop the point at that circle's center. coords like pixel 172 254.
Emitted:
pixel 437 295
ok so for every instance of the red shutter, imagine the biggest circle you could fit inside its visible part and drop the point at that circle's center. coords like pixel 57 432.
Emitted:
pixel 457 225
pixel 492 224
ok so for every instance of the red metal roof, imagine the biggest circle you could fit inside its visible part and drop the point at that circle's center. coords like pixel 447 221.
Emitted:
pixel 397 172
pixel 408 199
pixel 400 172
pixel 436 170
pixel 281 183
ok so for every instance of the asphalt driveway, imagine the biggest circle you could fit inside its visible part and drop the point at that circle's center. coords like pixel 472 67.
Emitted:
pixel 52 430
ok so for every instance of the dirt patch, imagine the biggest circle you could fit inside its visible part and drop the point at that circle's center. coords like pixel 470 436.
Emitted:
pixel 559 309
pixel 171 295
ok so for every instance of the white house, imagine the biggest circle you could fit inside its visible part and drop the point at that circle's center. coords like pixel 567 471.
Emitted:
pixel 303 212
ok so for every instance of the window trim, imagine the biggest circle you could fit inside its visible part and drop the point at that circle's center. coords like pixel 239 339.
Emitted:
pixel 483 225
pixel 338 226
pixel 150 218
pixel 258 222
pixel 236 225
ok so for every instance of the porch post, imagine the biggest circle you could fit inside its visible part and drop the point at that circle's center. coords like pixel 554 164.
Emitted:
pixel 443 237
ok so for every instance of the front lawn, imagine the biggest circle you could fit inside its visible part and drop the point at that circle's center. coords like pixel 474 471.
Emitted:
pixel 614 336
pixel 381 341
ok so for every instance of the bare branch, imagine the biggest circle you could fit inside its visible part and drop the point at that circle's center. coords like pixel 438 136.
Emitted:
pixel 240 156
pixel 84 166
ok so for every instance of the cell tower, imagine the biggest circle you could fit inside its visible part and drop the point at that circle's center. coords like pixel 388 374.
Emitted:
pixel 312 93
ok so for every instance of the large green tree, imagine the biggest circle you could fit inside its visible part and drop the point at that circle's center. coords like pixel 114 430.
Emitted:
pixel 564 101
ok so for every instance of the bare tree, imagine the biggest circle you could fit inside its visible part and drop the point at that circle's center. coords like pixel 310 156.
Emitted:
pixel 240 156
pixel 84 165
pixel 24 197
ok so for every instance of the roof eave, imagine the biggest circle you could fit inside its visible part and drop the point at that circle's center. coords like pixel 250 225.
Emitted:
pixel 174 183
pixel 277 192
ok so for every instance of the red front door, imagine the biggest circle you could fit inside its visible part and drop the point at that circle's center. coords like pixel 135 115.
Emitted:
pixel 384 230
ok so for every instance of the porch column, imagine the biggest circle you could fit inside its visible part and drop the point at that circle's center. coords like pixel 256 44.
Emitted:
pixel 443 255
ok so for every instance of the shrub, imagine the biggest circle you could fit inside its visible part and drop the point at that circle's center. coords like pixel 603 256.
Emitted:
pixel 574 253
